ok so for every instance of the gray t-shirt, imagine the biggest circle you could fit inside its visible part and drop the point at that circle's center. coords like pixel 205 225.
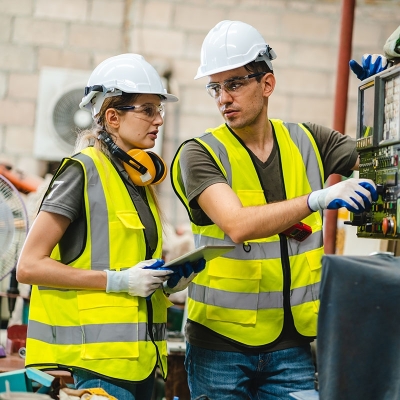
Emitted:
pixel 66 197
pixel 199 171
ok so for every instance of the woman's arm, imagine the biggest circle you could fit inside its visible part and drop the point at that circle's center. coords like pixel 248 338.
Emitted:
pixel 35 267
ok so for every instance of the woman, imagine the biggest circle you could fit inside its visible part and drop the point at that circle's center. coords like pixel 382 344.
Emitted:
pixel 95 309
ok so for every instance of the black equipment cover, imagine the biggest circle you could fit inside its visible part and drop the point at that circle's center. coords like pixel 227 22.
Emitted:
pixel 358 346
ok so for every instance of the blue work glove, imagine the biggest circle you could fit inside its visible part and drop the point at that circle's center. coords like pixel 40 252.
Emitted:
pixel 139 280
pixel 371 64
pixel 354 194
pixel 183 275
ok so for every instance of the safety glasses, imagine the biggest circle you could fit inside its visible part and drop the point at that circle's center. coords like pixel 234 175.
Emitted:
pixel 148 110
pixel 231 85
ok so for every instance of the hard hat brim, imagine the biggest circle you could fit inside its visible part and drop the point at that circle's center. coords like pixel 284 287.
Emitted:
pixel 85 103
pixel 201 74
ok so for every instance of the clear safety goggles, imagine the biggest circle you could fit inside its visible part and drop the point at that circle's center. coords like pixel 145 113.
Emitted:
pixel 148 110
pixel 214 89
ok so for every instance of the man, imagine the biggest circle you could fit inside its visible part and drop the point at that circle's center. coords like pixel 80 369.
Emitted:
pixel 252 313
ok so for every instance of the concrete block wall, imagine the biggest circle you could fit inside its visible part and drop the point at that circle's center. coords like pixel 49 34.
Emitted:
pixel 79 34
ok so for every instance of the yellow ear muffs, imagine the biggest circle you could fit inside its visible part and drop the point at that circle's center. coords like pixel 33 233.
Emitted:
pixel 161 168
pixel 144 168
pixel 156 168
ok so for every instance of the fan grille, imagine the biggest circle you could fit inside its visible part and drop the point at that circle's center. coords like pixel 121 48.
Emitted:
pixel 64 115
pixel 13 226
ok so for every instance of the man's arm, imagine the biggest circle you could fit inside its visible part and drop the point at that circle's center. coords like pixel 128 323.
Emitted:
pixel 221 204
pixel 356 165
pixel 240 223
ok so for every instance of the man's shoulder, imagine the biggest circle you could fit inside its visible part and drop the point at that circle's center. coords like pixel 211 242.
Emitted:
pixel 188 150
pixel 311 126
pixel 321 132
pixel 316 129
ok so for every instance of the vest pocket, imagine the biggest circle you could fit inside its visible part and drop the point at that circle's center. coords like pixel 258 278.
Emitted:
pixel 126 232
pixel 130 219
pixel 314 262
pixel 251 197
pixel 233 283
pixel 109 323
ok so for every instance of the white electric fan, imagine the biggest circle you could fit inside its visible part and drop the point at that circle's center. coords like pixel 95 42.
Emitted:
pixel 14 224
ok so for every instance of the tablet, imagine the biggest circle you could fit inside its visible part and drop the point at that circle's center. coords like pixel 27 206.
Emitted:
pixel 207 252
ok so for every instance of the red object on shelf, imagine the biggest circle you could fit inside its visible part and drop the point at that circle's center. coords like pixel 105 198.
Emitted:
pixel 16 338
pixel 23 184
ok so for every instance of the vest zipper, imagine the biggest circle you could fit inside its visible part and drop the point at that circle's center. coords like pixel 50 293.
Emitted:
pixel 287 279
pixel 149 305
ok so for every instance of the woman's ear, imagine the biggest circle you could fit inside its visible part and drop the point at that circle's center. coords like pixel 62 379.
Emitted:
pixel 112 118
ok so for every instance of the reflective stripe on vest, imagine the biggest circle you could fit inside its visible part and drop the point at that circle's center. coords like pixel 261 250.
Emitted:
pixel 97 333
pixel 236 300
pixel 240 294
pixel 102 332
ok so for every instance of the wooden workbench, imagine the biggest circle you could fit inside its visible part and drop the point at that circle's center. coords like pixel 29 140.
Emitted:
pixel 13 362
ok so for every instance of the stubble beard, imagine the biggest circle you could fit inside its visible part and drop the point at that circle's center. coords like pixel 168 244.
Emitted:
pixel 239 122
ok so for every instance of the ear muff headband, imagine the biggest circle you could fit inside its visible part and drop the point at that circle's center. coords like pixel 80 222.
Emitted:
pixel 161 168
pixel 144 168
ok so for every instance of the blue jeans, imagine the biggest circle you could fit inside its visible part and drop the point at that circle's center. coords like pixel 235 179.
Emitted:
pixel 234 376
pixel 119 389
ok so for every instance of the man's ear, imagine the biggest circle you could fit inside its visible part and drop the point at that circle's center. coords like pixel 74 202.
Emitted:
pixel 112 118
pixel 268 81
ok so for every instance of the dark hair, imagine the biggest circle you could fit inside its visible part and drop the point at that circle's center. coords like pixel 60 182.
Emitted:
pixel 258 66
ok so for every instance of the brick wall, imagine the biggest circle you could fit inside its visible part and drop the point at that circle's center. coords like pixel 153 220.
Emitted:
pixel 78 34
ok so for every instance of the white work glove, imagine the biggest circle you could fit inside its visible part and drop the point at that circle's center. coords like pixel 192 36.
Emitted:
pixel 354 194
pixel 137 280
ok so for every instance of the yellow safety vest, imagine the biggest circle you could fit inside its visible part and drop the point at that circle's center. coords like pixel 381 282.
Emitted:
pixel 106 333
pixel 241 295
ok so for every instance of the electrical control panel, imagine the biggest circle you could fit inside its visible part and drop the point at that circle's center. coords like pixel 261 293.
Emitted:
pixel 378 143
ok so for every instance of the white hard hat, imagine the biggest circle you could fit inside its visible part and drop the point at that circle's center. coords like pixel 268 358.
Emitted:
pixel 129 73
pixel 232 44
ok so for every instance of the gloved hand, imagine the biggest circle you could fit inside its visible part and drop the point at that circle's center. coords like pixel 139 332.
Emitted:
pixel 183 275
pixel 371 64
pixel 137 281
pixel 354 194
